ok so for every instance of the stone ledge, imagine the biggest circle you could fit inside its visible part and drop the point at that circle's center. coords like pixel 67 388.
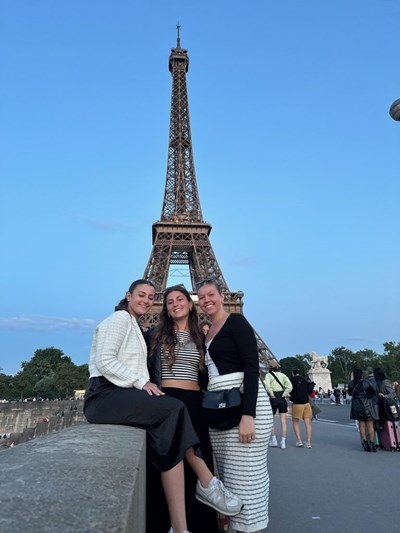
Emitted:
pixel 85 478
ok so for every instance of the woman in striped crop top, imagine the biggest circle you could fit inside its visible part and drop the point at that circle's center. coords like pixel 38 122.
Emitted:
pixel 176 364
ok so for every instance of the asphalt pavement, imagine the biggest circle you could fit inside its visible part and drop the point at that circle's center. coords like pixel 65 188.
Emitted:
pixel 334 487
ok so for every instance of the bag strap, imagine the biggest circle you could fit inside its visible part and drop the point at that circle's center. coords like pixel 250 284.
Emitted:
pixel 378 385
pixel 374 386
pixel 276 379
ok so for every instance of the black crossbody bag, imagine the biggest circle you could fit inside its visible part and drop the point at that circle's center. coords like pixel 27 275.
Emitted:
pixel 222 409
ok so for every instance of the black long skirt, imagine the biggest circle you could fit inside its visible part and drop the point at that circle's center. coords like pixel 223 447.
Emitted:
pixel 200 518
pixel 166 420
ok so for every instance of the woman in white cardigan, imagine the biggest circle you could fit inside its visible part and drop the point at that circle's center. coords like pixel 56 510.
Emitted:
pixel 120 392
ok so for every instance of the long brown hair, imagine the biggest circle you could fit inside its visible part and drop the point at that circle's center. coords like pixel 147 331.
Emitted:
pixel 165 333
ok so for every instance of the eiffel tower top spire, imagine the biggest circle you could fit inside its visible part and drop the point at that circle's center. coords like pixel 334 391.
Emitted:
pixel 178 39
pixel 181 237
pixel 181 198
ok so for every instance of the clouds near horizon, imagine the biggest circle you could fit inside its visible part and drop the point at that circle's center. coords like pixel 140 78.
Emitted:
pixel 45 323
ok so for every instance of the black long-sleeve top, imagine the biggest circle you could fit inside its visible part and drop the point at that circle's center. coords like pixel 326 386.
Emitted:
pixel 234 349
pixel 300 390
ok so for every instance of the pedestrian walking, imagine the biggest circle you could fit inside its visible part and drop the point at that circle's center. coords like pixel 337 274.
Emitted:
pixel 364 407
pixel 301 408
pixel 278 386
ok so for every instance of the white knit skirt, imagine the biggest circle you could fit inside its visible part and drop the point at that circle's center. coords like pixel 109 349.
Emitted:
pixel 243 466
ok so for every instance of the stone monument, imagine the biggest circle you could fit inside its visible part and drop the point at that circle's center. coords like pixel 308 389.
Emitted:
pixel 319 372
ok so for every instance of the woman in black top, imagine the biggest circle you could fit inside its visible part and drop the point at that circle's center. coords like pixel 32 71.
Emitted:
pixel 364 407
pixel 241 453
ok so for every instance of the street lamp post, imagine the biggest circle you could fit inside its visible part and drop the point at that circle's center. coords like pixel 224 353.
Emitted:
pixel 394 110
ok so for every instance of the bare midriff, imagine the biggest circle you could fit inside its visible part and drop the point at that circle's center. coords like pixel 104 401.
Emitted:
pixel 180 384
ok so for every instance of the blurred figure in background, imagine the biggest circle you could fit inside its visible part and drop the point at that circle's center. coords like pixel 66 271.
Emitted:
pixel 205 326
pixel 364 407
pixel 278 386
pixel 301 407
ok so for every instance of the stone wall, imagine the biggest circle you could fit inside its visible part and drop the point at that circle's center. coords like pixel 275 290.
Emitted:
pixel 23 421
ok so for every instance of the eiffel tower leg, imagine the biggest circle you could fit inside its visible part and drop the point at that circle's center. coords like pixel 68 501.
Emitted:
pixel 158 265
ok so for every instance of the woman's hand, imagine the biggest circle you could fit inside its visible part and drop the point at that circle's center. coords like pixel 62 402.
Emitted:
pixel 152 389
pixel 247 431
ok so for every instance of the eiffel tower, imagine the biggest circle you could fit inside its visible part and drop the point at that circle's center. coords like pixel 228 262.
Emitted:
pixel 181 237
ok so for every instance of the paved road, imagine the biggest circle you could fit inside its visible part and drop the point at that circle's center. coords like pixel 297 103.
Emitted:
pixel 335 413
pixel 335 487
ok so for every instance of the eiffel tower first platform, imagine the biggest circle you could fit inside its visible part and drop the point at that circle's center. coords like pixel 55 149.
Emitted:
pixel 181 237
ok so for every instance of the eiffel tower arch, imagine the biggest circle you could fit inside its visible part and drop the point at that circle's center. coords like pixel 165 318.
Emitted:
pixel 181 236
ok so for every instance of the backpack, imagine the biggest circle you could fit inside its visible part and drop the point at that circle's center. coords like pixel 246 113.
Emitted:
pixel 310 386
pixel 389 410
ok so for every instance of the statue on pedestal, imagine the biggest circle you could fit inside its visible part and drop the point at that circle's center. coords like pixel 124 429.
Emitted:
pixel 319 372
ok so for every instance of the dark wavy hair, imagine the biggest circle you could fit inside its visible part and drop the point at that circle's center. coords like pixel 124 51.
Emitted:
pixel 357 376
pixel 165 333
pixel 379 374
pixel 205 322
pixel 122 305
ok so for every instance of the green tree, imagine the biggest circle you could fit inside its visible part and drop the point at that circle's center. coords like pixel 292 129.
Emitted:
pixel 71 377
pixel 23 385
pixel 369 358
pixel 391 360
pixel 50 374
pixel 288 364
pixel 343 361
pixel 46 387
pixel 6 388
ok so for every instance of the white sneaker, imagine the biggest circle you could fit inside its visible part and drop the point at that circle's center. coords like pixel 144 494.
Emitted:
pixel 273 442
pixel 283 444
pixel 217 496
pixel 172 531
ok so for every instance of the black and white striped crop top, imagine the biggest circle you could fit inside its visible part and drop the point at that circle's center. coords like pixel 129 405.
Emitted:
pixel 187 360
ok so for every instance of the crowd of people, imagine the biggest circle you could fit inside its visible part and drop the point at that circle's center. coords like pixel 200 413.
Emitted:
pixel 339 395
pixel 301 392
pixel 159 381
pixel 374 403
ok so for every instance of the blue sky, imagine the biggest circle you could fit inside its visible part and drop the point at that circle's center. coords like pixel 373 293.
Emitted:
pixel 296 157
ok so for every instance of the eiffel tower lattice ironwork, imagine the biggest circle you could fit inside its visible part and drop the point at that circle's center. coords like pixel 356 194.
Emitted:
pixel 181 237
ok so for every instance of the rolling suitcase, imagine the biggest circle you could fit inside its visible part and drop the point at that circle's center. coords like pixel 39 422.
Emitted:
pixel 390 436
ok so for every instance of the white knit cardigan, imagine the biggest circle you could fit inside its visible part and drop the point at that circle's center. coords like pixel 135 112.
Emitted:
pixel 119 351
